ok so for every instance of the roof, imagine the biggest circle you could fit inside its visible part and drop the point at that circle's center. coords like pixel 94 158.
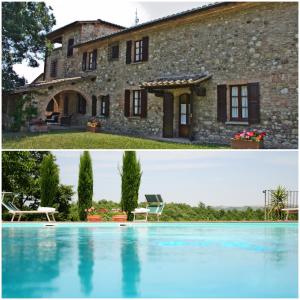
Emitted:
pixel 76 23
pixel 190 12
pixel 176 81
pixel 41 84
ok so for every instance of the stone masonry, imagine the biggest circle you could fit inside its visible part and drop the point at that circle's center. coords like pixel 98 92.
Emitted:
pixel 236 44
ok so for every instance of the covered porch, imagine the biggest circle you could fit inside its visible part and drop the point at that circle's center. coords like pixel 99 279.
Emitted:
pixel 179 94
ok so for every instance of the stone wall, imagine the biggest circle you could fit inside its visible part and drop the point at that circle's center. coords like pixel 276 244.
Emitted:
pixel 253 43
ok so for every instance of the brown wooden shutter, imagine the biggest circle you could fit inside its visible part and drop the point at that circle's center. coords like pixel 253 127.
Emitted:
pixel 221 103
pixel 94 59
pixel 94 106
pixel 70 47
pixel 145 48
pixel 144 103
pixel 253 103
pixel 107 106
pixel 127 103
pixel 128 52
pixel 84 57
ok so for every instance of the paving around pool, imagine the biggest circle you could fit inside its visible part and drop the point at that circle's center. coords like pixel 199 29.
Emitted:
pixel 150 260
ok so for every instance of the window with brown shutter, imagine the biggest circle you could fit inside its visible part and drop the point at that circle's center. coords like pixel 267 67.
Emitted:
pixel 127 103
pixel 53 69
pixel 221 103
pixel 70 47
pixel 128 52
pixel 144 103
pixel 90 60
pixel 253 103
pixel 84 59
pixel 94 105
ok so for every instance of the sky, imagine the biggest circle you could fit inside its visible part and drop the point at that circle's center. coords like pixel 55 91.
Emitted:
pixel 118 12
pixel 217 178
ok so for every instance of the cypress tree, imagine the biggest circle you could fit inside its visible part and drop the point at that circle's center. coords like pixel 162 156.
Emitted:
pixel 49 180
pixel 131 178
pixel 85 184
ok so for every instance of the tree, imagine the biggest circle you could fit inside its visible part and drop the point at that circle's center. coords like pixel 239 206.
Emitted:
pixel 24 29
pixel 131 178
pixel 63 200
pixel 49 181
pixel 278 201
pixel 20 175
pixel 24 111
pixel 85 184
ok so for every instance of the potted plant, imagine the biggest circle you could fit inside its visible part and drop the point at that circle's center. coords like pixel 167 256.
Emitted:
pixel 93 215
pixel 248 140
pixel 94 125
pixel 38 125
pixel 119 216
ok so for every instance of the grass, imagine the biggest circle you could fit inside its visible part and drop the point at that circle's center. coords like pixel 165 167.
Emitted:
pixel 88 140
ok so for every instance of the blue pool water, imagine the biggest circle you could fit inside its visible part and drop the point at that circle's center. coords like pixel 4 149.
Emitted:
pixel 150 260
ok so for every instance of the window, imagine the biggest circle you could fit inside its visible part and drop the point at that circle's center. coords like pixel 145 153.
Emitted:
pixel 239 103
pixel 136 103
pixel 103 107
pixel 70 47
pixel 53 69
pixel 113 52
pixel 138 50
pixel 89 60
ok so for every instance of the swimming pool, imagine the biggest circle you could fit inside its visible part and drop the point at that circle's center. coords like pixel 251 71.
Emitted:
pixel 177 260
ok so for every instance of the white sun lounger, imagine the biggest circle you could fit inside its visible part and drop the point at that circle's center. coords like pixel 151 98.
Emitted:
pixel 155 206
pixel 12 209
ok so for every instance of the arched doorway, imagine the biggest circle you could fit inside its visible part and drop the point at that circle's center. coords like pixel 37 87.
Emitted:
pixel 67 108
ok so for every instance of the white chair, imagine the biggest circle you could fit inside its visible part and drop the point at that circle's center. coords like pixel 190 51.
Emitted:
pixel 155 206
pixel 12 209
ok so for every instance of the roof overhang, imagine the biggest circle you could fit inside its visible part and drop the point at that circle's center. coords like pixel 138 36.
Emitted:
pixel 49 84
pixel 173 82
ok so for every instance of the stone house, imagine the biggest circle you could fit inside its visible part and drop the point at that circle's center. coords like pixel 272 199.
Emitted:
pixel 203 74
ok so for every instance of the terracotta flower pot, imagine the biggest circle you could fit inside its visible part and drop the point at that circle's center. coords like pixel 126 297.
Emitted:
pixel 119 218
pixel 94 218
pixel 93 129
pixel 243 144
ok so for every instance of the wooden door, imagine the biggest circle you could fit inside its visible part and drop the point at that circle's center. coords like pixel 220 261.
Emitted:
pixel 184 115
pixel 168 110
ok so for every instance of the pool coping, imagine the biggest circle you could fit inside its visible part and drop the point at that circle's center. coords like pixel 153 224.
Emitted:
pixel 136 224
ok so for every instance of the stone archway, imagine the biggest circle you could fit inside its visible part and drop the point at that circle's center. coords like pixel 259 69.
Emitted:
pixel 73 107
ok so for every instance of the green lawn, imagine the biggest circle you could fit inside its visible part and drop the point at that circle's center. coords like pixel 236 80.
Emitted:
pixel 88 140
